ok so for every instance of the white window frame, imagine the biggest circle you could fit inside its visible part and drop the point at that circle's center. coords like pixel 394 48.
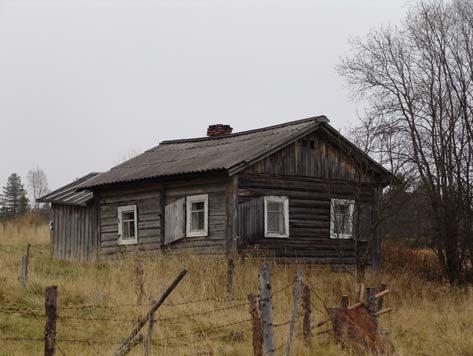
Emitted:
pixel 277 199
pixel 127 209
pixel 196 199
pixel 351 210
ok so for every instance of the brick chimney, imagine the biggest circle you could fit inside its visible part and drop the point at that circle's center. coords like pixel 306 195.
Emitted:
pixel 219 130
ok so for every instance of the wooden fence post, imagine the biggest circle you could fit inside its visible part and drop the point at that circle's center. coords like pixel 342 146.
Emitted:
pixel 266 309
pixel 295 302
pixel 370 300
pixel 25 261
pixel 256 325
pixel 124 345
pixel 137 339
pixel 230 272
pixel 50 300
pixel 139 280
pixel 307 306
pixel 361 293
pixel 149 335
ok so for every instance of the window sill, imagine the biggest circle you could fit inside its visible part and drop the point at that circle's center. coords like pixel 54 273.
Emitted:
pixel 130 242
pixel 341 237
pixel 197 234
pixel 276 236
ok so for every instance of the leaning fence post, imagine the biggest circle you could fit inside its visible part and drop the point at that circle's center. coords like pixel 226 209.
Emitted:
pixel 295 302
pixel 149 335
pixel 256 325
pixel 266 308
pixel 50 300
pixel 137 339
pixel 124 345
pixel 230 272
pixel 25 261
pixel 307 306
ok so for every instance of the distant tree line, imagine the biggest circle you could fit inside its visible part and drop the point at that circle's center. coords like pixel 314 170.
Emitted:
pixel 14 200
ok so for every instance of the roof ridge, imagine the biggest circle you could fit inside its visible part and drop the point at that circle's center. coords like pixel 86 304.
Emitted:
pixel 321 118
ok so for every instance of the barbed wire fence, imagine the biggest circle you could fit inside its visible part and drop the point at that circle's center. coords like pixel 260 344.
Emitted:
pixel 260 324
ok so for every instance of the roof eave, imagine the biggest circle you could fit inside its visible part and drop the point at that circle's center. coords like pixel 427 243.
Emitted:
pixel 388 177
pixel 385 172
pixel 154 178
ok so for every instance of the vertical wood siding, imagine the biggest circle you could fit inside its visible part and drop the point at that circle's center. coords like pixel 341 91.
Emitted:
pixel 313 156
pixel 73 236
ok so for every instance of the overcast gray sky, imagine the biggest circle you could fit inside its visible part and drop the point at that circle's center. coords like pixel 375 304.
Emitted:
pixel 83 82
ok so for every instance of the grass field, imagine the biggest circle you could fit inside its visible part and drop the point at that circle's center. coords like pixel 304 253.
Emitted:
pixel 97 302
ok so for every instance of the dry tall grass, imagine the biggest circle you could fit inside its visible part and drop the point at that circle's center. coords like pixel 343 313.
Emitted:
pixel 429 318
pixel 32 228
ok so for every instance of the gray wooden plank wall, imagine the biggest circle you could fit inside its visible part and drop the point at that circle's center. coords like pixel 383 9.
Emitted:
pixel 313 156
pixel 73 236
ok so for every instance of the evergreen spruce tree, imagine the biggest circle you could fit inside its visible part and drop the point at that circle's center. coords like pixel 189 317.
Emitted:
pixel 13 200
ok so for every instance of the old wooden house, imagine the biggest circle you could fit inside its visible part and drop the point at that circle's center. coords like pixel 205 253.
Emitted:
pixel 294 190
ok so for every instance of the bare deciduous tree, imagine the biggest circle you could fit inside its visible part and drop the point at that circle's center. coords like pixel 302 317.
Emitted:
pixel 418 82
pixel 37 184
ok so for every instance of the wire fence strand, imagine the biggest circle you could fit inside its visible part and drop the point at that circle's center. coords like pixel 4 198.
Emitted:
pixel 183 339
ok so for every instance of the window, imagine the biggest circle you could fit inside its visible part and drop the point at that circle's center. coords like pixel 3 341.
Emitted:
pixel 197 216
pixel 341 220
pixel 276 217
pixel 127 226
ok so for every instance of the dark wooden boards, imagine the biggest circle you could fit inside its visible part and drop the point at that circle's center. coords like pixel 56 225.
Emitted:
pixel 73 235
pixel 149 201
pixel 309 217
pixel 314 156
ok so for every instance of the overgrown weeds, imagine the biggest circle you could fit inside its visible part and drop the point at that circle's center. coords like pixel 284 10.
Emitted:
pixel 31 228
pixel 400 259
pixel 97 304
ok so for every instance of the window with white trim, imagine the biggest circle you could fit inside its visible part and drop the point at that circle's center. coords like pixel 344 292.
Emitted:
pixel 197 215
pixel 127 225
pixel 276 216
pixel 341 218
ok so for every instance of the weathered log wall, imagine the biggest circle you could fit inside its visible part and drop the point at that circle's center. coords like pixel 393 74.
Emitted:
pixel 214 243
pixel 148 200
pixel 309 217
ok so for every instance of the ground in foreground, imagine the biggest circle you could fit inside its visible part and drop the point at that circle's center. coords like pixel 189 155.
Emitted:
pixel 97 305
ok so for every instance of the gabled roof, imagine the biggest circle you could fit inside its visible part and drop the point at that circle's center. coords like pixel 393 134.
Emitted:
pixel 230 153
pixel 69 195
pixel 205 154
